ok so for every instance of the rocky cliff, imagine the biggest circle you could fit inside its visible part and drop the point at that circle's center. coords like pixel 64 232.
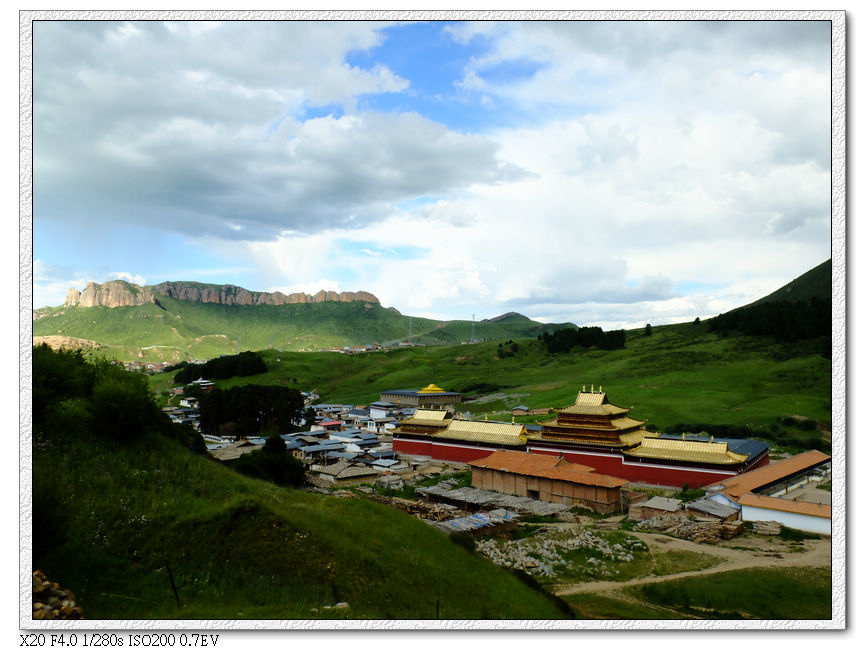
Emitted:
pixel 118 293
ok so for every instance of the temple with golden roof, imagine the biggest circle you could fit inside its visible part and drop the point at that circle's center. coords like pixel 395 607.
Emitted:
pixel 592 420
pixel 432 395
pixel 594 432
pixel 591 431
pixel 432 433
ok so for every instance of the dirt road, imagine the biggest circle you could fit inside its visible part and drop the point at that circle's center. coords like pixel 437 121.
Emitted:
pixel 762 552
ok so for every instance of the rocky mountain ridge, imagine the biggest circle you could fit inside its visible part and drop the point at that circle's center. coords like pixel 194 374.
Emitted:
pixel 119 293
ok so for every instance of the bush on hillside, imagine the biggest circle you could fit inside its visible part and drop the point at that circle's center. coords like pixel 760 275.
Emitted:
pixel 72 396
pixel 271 463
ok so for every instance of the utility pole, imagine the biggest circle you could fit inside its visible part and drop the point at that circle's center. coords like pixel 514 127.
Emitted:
pixel 473 328
pixel 409 329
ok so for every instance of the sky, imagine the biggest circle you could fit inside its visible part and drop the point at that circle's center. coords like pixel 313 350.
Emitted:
pixel 601 173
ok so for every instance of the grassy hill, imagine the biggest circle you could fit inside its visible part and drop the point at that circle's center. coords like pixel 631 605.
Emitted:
pixel 181 329
pixel 123 515
pixel 680 374
pixel 816 283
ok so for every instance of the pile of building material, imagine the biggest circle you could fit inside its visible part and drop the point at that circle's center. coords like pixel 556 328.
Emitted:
pixel 767 527
pixel 420 509
pixel 497 520
pixel 52 602
pixel 543 555
pixel 468 497
pixel 702 532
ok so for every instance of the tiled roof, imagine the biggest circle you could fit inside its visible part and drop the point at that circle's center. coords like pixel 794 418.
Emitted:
pixel 592 409
pixel 546 466
pixel 633 437
pixel 701 452
pixel 785 505
pixel 614 424
pixel 738 485
pixel 500 433
pixel 430 414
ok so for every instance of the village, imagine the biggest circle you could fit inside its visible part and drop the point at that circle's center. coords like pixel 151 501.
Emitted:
pixel 593 463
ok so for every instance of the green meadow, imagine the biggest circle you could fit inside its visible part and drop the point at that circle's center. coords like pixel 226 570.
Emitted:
pixel 680 374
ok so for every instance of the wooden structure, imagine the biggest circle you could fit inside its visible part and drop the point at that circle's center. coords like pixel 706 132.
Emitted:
pixel 547 479
pixel 655 507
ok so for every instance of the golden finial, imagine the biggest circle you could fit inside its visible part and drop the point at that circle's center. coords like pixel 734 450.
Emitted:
pixel 513 419
pixel 486 417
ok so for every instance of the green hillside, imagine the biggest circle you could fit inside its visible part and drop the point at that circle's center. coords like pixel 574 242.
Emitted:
pixel 681 374
pixel 121 513
pixel 816 283
pixel 181 329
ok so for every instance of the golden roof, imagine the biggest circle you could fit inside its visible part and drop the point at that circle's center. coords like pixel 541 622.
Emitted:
pixel 633 437
pixel 432 388
pixel 428 415
pixel 616 424
pixel 592 403
pixel 500 433
pixel 690 450
pixel 591 409
pixel 591 398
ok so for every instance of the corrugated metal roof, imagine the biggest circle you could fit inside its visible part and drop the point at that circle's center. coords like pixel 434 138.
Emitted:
pixel 785 505
pixel 662 503
pixel 711 507
pixel 757 478
pixel 715 453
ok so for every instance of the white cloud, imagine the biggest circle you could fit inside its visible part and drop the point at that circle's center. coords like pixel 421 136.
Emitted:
pixel 632 165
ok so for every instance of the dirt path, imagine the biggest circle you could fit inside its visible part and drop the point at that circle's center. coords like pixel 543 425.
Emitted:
pixel 764 553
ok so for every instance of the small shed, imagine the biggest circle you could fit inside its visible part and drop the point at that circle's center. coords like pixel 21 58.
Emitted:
pixel 654 507
pixel 712 510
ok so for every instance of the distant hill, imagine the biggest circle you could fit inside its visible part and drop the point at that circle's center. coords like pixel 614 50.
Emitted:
pixel 816 283
pixel 180 320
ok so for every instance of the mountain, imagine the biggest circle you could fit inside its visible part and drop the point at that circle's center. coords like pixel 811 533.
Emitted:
pixel 173 321
pixel 119 293
pixel 816 283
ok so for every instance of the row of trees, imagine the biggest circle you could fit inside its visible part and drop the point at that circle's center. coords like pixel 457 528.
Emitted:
pixel 786 321
pixel 237 365
pixel 250 410
pixel 564 340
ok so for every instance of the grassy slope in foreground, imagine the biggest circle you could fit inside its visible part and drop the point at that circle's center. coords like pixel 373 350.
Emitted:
pixel 109 516
pixel 681 373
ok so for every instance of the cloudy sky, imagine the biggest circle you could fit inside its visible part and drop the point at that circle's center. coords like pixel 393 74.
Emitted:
pixel 609 173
